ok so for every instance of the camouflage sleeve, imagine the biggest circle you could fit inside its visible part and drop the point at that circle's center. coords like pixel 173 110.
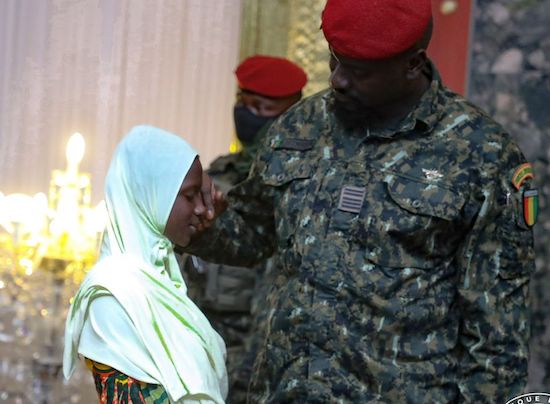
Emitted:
pixel 244 234
pixel 495 265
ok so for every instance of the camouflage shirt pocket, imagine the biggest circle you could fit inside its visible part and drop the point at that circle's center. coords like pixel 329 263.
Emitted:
pixel 289 160
pixel 289 172
pixel 425 199
pixel 412 224
pixel 282 171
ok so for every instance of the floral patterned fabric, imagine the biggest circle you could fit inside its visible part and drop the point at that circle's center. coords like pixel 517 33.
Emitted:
pixel 114 387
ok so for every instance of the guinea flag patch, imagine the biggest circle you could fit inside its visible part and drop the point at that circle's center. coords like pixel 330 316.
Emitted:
pixel 522 173
pixel 530 206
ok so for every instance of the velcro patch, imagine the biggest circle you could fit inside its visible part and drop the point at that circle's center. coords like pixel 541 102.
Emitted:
pixel 295 144
pixel 351 199
pixel 522 173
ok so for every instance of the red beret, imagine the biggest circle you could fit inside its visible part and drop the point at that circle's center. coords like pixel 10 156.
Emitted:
pixel 374 29
pixel 270 76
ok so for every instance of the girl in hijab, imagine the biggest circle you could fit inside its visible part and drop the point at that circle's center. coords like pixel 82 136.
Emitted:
pixel 131 320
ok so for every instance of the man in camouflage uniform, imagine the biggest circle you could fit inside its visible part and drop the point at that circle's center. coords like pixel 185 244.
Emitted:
pixel 232 297
pixel 401 219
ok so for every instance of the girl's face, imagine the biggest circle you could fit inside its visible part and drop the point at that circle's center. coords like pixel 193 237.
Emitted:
pixel 187 209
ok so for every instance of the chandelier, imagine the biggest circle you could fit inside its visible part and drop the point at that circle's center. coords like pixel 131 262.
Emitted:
pixel 47 244
pixel 63 226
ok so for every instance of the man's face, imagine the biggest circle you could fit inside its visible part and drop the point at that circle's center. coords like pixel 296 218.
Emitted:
pixel 362 87
pixel 187 209
pixel 253 111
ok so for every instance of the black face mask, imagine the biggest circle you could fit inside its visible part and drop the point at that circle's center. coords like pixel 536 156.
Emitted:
pixel 247 124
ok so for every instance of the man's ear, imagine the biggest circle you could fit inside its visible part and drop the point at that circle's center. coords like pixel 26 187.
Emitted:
pixel 416 63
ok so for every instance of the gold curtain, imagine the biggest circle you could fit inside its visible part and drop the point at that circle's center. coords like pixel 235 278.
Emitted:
pixel 288 28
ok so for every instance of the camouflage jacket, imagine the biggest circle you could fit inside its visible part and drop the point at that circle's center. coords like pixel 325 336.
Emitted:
pixel 230 169
pixel 403 260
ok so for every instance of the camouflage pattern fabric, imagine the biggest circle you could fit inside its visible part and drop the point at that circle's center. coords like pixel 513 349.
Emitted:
pixel 402 265
pixel 230 169
pixel 242 371
pixel 232 298
pixel 224 294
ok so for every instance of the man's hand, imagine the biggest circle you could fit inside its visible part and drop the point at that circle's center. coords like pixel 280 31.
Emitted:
pixel 213 199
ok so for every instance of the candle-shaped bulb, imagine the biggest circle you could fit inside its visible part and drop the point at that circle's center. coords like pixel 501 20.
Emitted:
pixel 75 150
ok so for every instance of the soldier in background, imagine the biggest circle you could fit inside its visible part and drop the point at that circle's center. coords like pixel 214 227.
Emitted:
pixel 400 216
pixel 233 297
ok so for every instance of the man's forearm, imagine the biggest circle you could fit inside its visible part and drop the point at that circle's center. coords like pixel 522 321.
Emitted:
pixel 231 241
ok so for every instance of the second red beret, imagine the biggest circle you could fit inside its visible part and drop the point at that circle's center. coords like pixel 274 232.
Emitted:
pixel 270 76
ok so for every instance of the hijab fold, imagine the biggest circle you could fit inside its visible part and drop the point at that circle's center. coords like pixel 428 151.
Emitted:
pixel 138 268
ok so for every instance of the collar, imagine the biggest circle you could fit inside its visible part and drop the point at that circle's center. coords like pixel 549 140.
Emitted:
pixel 423 116
pixel 427 110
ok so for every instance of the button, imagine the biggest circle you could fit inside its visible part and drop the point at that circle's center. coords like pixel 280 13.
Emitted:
pixel 290 240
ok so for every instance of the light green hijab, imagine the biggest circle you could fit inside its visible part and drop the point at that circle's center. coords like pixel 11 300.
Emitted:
pixel 138 268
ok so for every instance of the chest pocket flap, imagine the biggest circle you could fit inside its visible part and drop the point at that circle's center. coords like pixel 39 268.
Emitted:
pixel 424 198
pixel 289 161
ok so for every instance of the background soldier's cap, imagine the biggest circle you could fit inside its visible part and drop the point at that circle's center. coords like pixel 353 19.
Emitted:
pixel 270 76
pixel 374 29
